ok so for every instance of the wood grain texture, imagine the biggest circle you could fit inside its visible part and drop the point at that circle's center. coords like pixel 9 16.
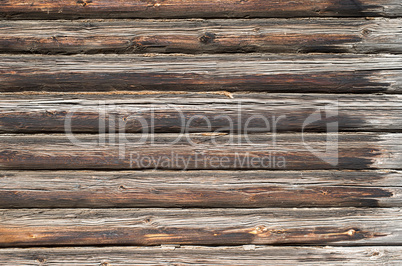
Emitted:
pixel 202 151
pixel 211 189
pixel 317 226
pixel 257 72
pixel 199 255
pixel 202 36
pixel 47 9
pixel 174 111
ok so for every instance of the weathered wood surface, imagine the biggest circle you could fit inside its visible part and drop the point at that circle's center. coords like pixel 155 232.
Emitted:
pixel 174 111
pixel 77 191
pixel 47 9
pixel 211 189
pixel 257 72
pixel 202 36
pixel 202 151
pixel 318 226
pixel 200 255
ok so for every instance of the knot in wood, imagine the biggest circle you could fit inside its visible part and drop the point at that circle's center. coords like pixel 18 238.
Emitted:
pixel 207 37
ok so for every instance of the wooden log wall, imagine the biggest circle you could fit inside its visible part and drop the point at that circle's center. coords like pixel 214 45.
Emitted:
pixel 203 36
pixel 48 9
pixel 182 132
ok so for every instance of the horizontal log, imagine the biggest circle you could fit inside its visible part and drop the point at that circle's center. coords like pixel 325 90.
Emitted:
pixel 202 36
pixel 318 226
pixel 257 72
pixel 210 189
pixel 196 112
pixel 199 255
pixel 47 9
pixel 202 151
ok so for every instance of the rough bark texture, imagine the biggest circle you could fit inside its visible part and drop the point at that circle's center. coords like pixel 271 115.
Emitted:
pixel 214 112
pixel 202 36
pixel 48 9
pixel 226 189
pixel 257 72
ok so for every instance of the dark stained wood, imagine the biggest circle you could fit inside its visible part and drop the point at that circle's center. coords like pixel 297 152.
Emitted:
pixel 257 72
pixel 202 151
pixel 174 111
pixel 303 149
pixel 202 36
pixel 199 255
pixel 317 226
pixel 239 189
pixel 47 9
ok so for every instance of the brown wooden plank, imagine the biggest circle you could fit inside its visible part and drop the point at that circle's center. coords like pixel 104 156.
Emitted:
pixel 175 111
pixel 202 151
pixel 318 226
pixel 202 36
pixel 211 189
pixel 47 9
pixel 199 255
pixel 257 72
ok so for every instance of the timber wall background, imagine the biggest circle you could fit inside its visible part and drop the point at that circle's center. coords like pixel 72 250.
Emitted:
pixel 110 61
